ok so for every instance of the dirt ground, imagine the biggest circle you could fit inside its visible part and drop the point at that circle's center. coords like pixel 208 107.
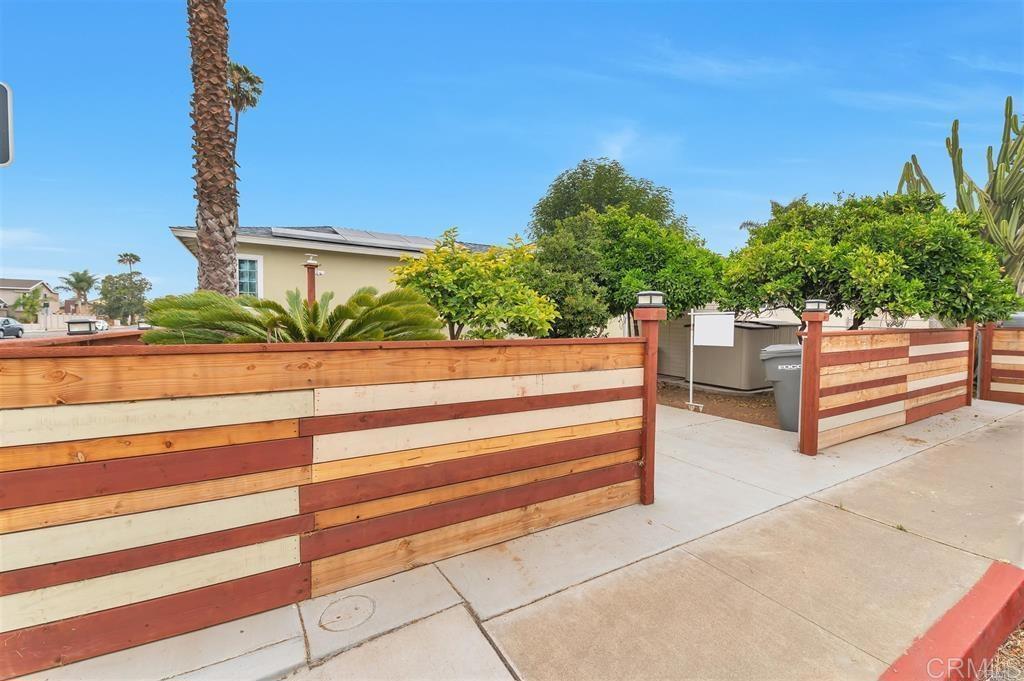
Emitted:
pixel 757 408
pixel 1008 662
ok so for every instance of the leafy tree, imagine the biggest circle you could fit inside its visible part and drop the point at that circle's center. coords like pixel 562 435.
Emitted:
pixel 208 317
pixel 244 91
pixel 123 296
pixel 129 259
pixel 213 144
pixel 1000 202
pixel 893 255
pixel 483 294
pixel 599 184
pixel 567 271
pixel 79 283
pixel 30 304
pixel 593 265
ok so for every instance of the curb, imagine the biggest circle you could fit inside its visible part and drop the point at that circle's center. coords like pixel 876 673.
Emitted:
pixel 960 645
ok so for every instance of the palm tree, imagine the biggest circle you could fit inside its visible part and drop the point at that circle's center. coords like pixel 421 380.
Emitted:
pixel 244 91
pixel 208 317
pixel 213 144
pixel 129 259
pixel 80 283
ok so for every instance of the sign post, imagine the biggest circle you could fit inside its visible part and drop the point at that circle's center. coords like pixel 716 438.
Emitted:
pixel 712 329
pixel 6 126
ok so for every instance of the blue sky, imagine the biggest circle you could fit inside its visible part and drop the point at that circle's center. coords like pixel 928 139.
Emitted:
pixel 414 117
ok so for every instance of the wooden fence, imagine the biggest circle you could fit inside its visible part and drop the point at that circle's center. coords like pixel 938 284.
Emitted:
pixel 855 383
pixel 150 491
pixel 1001 375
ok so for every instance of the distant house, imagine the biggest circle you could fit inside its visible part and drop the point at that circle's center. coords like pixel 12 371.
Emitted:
pixel 270 259
pixel 12 289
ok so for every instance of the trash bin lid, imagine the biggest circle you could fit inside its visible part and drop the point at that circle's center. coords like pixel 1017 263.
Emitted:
pixel 788 350
pixel 1015 321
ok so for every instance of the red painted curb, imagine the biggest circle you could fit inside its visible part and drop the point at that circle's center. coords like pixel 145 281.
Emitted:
pixel 959 646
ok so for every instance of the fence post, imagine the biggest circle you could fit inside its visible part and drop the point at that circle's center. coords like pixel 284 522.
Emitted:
pixel 810 380
pixel 649 318
pixel 970 360
pixel 985 380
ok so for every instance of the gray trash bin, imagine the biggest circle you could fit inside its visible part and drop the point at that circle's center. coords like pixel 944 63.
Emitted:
pixel 782 371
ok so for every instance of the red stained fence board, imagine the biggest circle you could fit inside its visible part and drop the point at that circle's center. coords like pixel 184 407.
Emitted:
pixel 35 648
pixel 829 359
pixel 917 359
pixel 376 530
pixel 39 576
pixel 340 423
pixel 334 493
pixel 926 410
pixel 933 337
pixel 77 481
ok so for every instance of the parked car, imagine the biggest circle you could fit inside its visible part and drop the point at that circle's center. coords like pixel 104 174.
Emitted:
pixel 11 327
pixel 102 325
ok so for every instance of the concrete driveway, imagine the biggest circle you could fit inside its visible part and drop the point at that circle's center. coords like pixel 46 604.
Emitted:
pixel 755 562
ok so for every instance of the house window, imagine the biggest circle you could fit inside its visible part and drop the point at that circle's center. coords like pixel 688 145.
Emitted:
pixel 249 275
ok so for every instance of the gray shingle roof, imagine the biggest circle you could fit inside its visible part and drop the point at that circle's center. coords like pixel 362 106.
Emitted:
pixel 25 284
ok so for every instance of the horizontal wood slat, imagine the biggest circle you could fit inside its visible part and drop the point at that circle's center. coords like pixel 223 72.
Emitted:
pixel 846 342
pixel 855 397
pixel 78 380
pixel 64 601
pixel 345 423
pixel 362 488
pixel 853 431
pixel 398 438
pixel 126 446
pixel 933 395
pixel 878 372
pixel 62 512
pixel 61 483
pixel 380 560
pixel 862 385
pixel 59 643
pixel 1007 339
pixel 942 355
pixel 356 535
pixel 365 465
pixel 50 574
pixel 105 535
pixel 932 337
pixel 939 348
pixel 829 359
pixel 88 421
pixel 363 398
pixel 436 495
pixel 926 410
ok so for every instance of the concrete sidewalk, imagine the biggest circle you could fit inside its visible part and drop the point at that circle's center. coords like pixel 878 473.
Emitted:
pixel 755 562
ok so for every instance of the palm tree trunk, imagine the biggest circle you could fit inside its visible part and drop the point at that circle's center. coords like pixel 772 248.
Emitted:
pixel 213 144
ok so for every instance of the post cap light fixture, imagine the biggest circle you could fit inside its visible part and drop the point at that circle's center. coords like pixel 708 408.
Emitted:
pixel 650 299
pixel 311 260
pixel 81 327
pixel 815 305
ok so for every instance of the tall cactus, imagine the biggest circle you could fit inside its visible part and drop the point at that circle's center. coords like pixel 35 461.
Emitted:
pixel 913 180
pixel 1001 200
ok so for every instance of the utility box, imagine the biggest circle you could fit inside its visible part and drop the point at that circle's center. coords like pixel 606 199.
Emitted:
pixel 735 368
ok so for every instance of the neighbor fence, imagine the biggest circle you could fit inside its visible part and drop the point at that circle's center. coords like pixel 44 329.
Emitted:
pixel 150 491
pixel 1001 374
pixel 855 383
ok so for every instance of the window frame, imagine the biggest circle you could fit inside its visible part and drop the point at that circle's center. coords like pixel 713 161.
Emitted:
pixel 259 271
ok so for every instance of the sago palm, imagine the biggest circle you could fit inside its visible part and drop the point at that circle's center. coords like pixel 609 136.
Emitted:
pixel 208 317
pixel 213 145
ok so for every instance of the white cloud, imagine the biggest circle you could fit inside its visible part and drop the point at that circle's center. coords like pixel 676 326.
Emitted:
pixel 717 69
pixel 617 144
pixel 28 240
pixel 981 62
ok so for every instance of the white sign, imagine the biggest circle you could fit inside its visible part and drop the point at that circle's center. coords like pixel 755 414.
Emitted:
pixel 713 328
